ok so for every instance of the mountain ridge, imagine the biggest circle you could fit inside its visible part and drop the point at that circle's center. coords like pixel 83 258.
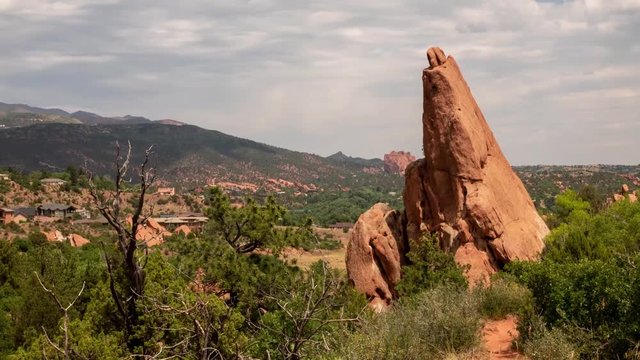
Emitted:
pixel 184 155
pixel 9 113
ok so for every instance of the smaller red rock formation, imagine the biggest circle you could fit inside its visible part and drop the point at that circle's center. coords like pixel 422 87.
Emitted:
pixel 396 162
pixel 625 193
pixel 183 229
pixel 150 232
pixel 53 235
pixel 373 255
pixel 77 241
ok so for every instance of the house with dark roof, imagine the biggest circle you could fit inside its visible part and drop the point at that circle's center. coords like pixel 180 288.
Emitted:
pixel 195 221
pixel 6 215
pixel 27 212
pixel 61 211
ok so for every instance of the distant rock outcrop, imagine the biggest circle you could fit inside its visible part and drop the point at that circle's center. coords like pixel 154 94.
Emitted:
pixel 150 232
pixel 396 162
pixel 77 240
pixel 182 229
pixel 464 190
pixel 625 193
pixel 373 254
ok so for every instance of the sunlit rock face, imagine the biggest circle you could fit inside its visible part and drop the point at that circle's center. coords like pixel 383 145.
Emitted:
pixel 464 189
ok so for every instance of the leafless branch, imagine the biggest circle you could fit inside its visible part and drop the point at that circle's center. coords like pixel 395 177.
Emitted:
pixel 65 312
pixel 110 205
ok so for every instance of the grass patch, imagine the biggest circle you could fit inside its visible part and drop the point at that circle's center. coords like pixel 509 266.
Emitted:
pixel 504 297
pixel 434 324
pixel 550 344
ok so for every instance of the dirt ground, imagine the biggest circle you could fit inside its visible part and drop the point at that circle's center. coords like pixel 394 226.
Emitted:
pixel 498 336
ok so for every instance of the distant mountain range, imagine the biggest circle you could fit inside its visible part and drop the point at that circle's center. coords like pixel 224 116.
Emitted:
pixel 51 139
pixel 19 115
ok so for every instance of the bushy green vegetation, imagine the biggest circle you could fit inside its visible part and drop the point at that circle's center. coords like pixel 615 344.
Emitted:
pixel 588 283
pixel 504 296
pixel 430 325
pixel 326 208
pixel 202 297
pixel 4 186
pixel 226 294
pixel 428 266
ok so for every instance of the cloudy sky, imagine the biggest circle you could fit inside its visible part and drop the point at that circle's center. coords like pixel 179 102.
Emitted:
pixel 559 81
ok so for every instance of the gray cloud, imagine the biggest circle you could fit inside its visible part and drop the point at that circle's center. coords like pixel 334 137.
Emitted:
pixel 557 80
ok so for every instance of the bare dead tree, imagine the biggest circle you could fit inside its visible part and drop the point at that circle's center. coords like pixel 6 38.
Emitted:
pixel 109 204
pixel 64 350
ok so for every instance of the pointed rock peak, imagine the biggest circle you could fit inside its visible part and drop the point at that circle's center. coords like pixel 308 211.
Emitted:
pixel 464 191
pixel 436 57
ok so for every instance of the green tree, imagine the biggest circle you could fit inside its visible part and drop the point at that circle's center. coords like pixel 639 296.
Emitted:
pixel 306 314
pixel 249 227
pixel 428 267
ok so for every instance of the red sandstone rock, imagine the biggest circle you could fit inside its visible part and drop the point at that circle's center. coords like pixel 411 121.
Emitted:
pixel 464 190
pixel 151 233
pixel 465 181
pixel 77 241
pixel 625 193
pixel 182 229
pixel 53 235
pixel 373 255
pixel 396 162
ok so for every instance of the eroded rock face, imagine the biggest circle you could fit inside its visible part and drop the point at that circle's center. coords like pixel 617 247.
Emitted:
pixel 464 191
pixel 465 184
pixel 373 254
pixel 396 162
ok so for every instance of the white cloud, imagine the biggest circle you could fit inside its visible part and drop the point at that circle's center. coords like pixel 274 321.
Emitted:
pixel 600 6
pixel 334 75
pixel 44 9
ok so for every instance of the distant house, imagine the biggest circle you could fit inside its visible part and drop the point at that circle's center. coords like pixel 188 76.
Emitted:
pixel 55 210
pixel 6 215
pixel 5 177
pixel 52 182
pixel 166 191
pixel 195 221
pixel 28 212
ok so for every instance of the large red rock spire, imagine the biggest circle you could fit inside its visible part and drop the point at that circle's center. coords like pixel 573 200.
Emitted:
pixel 464 189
